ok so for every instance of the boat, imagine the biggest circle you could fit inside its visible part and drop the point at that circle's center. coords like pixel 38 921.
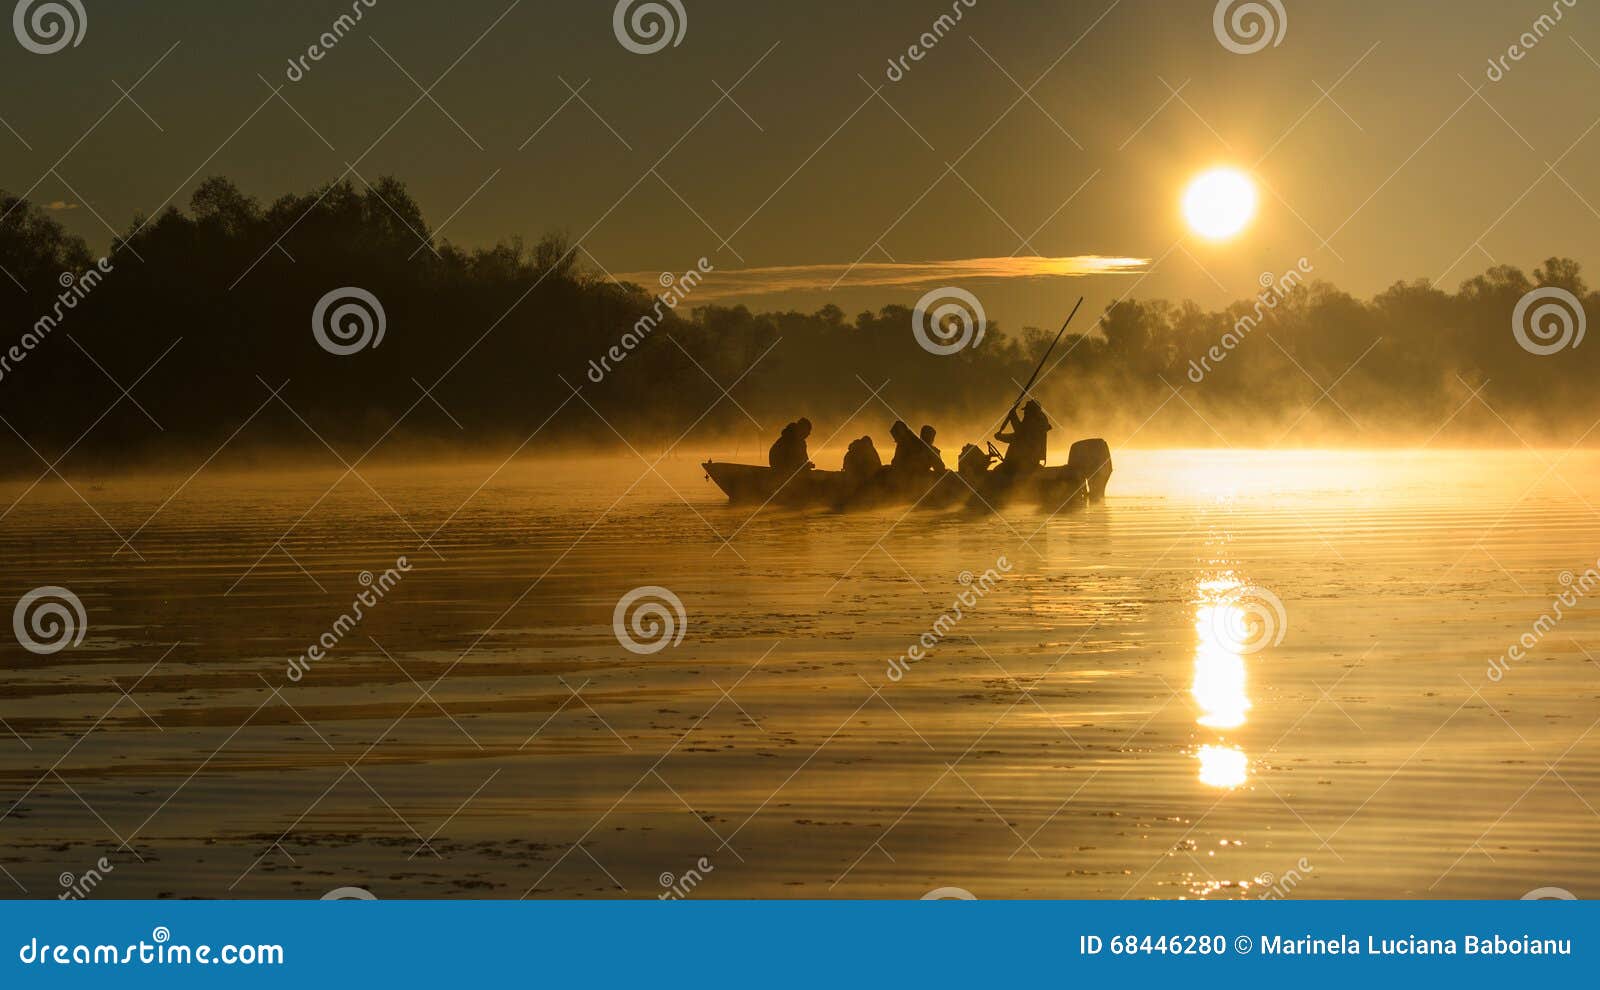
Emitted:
pixel 1082 480
pixel 747 483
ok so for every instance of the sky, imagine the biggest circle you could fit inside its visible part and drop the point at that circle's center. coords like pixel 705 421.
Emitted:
pixel 772 136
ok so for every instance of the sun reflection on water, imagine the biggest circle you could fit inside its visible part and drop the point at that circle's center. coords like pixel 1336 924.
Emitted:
pixel 1223 766
pixel 1219 688
pixel 1219 675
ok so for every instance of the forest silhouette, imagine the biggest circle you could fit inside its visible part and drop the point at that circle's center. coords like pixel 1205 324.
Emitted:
pixel 497 329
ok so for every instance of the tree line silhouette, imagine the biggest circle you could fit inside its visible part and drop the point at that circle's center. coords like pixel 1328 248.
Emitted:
pixel 226 288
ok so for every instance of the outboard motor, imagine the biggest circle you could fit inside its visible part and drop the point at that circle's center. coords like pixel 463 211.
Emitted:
pixel 1091 460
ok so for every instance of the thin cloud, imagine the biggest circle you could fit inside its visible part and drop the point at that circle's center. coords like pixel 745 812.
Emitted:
pixel 60 205
pixel 747 282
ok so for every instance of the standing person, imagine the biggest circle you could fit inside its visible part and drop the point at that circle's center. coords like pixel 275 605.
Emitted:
pixel 788 455
pixel 1027 440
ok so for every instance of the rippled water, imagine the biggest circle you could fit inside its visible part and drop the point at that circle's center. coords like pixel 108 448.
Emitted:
pixel 1245 674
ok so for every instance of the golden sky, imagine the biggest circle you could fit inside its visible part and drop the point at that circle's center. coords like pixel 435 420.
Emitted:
pixel 1385 144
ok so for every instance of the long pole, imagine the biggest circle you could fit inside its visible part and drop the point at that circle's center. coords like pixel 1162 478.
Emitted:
pixel 1048 351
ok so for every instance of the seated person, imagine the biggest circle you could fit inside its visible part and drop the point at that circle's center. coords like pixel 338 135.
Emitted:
pixel 973 463
pixel 908 456
pixel 788 455
pixel 932 460
pixel 861 460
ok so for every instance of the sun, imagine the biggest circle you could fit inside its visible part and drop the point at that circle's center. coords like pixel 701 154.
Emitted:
pixel 1220 203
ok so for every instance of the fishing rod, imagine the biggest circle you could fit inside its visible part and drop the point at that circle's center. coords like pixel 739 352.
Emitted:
pixel 1048 351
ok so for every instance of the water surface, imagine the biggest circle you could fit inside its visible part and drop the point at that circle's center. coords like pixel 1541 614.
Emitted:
pixel 1245 674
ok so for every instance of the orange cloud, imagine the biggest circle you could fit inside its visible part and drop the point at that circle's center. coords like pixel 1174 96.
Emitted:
pixel 723 284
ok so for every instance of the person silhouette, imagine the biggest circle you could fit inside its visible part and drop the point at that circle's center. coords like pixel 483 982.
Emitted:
pixel 907 455
pixel 861 460
pixel 932 459
pixel 788 454
pixel 1027 440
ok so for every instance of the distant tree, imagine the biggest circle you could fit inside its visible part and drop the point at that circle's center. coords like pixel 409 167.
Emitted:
pixel 34 249
pixel 225 289
pixel 1563 273
pixel 218 203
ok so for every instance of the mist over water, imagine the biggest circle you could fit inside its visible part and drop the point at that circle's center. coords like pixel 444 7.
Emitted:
pixel 389 391
pixel 450 350
pixel 1242 663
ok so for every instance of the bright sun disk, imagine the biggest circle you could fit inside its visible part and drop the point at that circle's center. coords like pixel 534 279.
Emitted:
pixel 1220 203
